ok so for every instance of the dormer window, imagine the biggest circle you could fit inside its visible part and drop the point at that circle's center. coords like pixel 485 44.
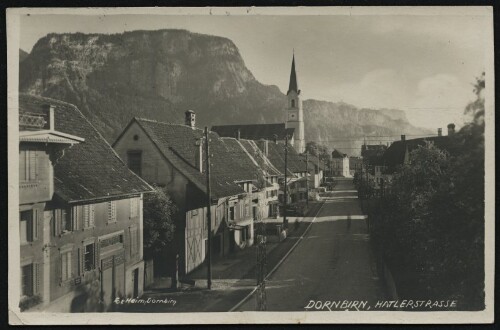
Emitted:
pixel 293 103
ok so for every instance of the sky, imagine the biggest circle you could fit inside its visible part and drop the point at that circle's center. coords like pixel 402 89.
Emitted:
pixel 423 64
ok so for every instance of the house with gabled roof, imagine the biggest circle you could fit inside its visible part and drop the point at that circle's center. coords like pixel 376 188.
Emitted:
pixel 398 154
pixel 80 213
pixel 173 156
pixel 296 171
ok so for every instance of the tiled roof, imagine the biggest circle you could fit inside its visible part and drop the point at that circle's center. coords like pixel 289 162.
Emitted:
pixel 254 131
pixel 276 154
pixel 89 170
pixel 178 143
pixel 246 166
pixel 264 163
pixel 395 154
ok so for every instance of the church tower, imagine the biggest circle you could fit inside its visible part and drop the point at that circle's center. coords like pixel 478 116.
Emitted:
pixel 294 112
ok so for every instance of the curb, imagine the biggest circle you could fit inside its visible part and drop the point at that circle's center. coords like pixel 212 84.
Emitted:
pixel 279 262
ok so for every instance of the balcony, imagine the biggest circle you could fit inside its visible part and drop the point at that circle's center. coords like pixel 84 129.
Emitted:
pixel 33 121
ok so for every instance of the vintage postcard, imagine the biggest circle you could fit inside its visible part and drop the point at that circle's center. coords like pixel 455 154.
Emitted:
pixel 251 165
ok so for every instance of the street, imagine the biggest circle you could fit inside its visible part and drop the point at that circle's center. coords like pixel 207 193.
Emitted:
pixel 333 262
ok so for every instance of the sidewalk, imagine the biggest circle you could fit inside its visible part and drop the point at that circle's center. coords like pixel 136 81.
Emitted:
pixel 233 277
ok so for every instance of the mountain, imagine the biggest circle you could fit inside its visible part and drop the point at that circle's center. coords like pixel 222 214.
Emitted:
pixel 22 55
pixel 160 74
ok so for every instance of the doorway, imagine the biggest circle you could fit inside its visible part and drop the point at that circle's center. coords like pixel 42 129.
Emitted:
pixel 135 278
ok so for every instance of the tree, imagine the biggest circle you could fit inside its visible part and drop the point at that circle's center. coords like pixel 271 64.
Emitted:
pixel 158 214
pixel 431 223
pixel 315 149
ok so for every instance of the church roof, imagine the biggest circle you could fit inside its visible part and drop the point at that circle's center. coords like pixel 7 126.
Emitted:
pixel 293 86
pixel 254 131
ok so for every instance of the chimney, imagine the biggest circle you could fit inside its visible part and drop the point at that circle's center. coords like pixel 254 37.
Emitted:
pixel 451 129
pixel 238 134
pixel 264 146
pixel 190 119
pixel 50 111
pixel 440 132
pixel 403 137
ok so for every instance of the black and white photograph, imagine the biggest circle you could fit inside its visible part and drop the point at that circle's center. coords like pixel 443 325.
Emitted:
pixel 219 165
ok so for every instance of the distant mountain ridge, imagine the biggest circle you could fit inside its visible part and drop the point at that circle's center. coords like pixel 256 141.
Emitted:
pixel 160 74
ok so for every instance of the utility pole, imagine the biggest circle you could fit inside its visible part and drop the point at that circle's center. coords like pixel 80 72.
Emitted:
pixel 285 220
pixel 261 267
pixel 307 179
pixel 209 215
pixel 319 171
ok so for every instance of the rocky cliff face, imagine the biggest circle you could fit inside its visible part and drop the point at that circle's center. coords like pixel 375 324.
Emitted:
pixel 160 74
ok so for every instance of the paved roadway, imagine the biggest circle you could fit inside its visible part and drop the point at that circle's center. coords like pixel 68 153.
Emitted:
pixel 333 262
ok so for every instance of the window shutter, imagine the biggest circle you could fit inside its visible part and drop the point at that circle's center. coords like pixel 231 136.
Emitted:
pixel 75 212
pixel 59 265
pixel 36 278
pixel 63 216
pixel 94 262
pixel 85 215
pixel 27 165
pixel 54 222
pixel 29 228
pixel 70 265
pixel 32 165
pixel 36 222
pixel 91 215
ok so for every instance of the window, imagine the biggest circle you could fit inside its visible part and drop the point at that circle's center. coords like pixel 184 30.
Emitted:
pixel 89 257
pixel 134 161
pixel 28 165
pixel 244 233
pixel 293 103
pixel 66 224
pixel 231 213
pixel 28 226
pixel 88 216
pixel 134 207
pixel 27 280
pixel 111 211
pixel 66 265
pixel 66 220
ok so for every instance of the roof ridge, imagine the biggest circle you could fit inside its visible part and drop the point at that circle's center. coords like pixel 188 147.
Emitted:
pixel 165 123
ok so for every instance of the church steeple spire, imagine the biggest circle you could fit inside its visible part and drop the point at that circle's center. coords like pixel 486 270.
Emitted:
pixel 295 114
pixel 293 86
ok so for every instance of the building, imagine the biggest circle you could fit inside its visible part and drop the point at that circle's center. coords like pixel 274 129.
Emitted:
pixel 80 214
pixel 339 165
pixel 293 126
pixel 173 156
pixel 258 152
pixel 398 154
pixel 268 132
pixel 355 165
pixel 295 112
pixel 296 172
